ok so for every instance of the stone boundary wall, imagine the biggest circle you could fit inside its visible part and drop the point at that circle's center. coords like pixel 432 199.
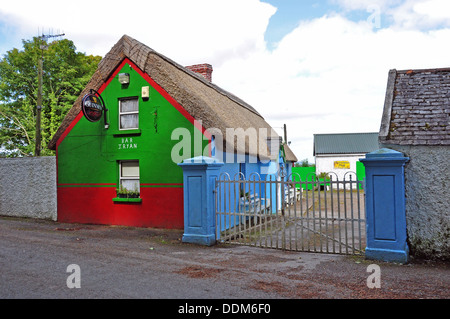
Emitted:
pixel 28 187
pixel 427 176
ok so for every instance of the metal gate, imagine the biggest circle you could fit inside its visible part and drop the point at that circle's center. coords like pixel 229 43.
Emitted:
pixel 322 214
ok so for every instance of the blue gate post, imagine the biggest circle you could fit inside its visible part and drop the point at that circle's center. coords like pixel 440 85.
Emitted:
pixel 199 177
pixel 385 206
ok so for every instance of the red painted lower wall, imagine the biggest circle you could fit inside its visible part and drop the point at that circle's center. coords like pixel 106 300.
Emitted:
pixel 160 207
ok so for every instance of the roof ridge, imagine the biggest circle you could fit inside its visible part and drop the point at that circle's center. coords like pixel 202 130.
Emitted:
pixel 408 71
pixel 349 133
pixel 214 86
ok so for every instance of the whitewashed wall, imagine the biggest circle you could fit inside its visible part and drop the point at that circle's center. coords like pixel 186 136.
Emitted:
pixel 325 164
pixel 28 187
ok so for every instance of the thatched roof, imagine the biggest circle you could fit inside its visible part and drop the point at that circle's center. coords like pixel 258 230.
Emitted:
pixel 203 100
pixel 289 155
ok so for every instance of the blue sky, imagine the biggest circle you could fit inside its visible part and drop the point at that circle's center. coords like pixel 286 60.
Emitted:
pixel 318 66
pixel 289 14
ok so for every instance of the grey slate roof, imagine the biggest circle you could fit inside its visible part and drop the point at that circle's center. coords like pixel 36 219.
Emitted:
pixel 417 107
pixel 346 143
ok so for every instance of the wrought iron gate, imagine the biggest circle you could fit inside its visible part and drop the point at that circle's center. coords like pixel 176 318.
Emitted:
pixel 320 215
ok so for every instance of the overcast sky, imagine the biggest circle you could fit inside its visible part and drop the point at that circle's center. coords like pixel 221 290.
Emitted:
pixel 318 66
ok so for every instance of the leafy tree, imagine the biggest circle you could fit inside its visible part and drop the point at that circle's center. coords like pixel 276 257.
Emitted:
pixel 304 163
pixel 65 73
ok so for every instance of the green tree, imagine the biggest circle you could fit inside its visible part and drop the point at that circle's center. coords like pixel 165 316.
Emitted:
pixel 65 73
pixel 304 163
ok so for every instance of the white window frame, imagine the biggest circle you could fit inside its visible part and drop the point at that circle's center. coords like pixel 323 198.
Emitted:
pixel 128 113
pixel 121 178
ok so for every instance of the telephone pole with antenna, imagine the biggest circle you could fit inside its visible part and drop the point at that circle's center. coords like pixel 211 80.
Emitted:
pixel 37 148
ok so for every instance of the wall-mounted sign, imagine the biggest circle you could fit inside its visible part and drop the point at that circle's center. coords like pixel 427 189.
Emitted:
pixel 342 164
pixel 127 144
pixel 92 107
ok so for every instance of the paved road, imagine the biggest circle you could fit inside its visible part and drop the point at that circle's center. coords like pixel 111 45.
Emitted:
pixel 123 262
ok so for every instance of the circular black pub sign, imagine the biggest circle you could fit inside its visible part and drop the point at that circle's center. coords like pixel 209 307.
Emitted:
pixel 92 107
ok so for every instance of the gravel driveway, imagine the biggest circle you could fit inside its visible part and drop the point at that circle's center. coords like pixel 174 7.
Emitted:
pixel 125 262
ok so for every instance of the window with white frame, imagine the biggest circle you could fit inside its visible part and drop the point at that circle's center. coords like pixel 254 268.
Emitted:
pixel 129 176
pixel 129 113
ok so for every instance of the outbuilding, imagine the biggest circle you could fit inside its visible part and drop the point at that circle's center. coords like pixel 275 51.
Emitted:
pixel 339 154
pixel 415 122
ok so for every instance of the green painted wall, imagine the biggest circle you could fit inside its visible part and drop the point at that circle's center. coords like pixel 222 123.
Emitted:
pixel 360 171
pixel 306 174
pixel 90 153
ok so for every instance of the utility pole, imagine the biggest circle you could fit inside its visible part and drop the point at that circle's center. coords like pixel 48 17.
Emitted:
pixel 37 147
pixel 285 134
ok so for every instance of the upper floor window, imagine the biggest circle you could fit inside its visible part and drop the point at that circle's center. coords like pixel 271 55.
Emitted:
pixel 128 113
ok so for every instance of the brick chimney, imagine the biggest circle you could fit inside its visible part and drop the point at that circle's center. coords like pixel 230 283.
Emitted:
pixel 204 70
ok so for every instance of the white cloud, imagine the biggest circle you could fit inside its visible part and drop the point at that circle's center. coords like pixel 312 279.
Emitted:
pixel 187 30
pixel 330 75
pixel 434 9
pixel 327 75
pixel 410 14
pixel 418 14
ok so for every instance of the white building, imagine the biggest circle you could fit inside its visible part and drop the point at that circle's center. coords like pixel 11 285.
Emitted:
pixel 338 154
